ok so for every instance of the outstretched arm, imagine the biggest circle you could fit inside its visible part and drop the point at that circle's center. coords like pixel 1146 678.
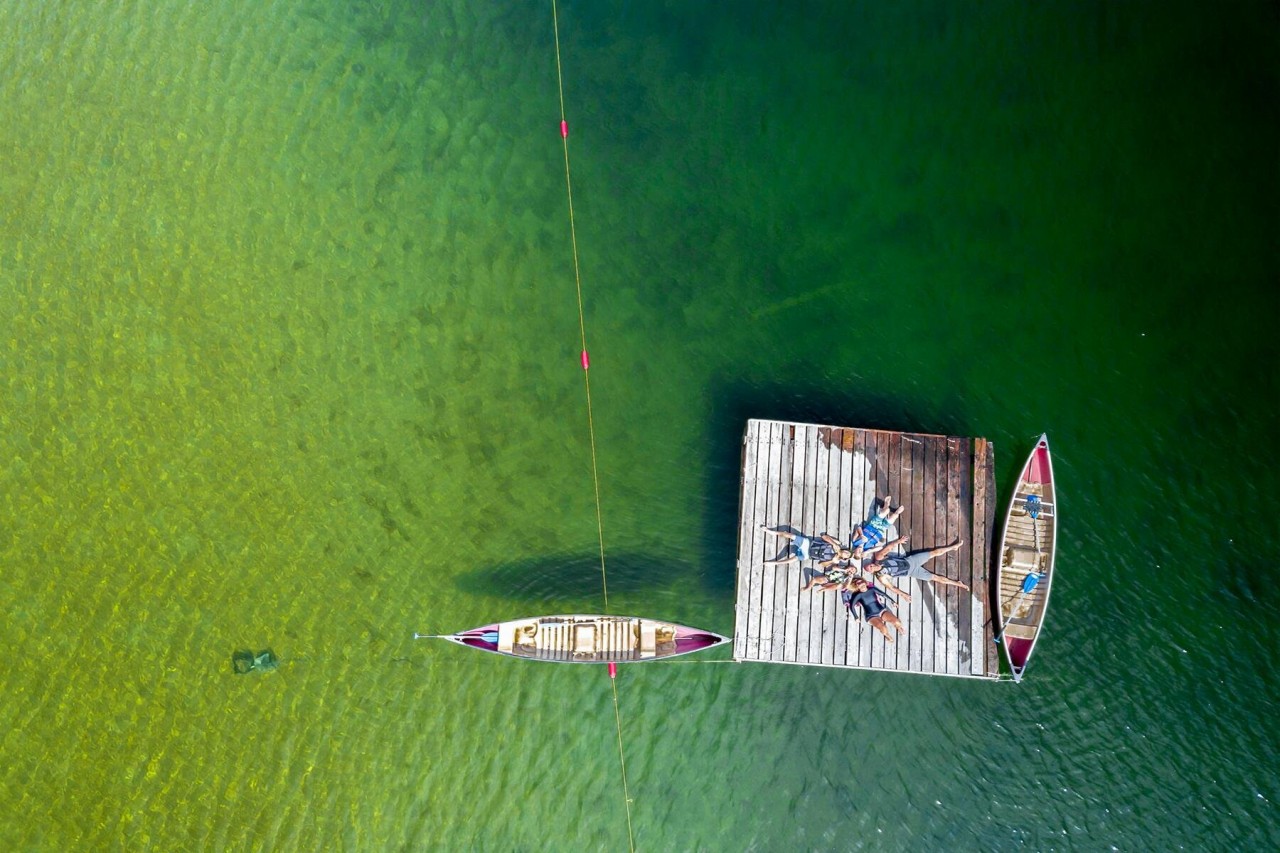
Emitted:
pixel 887 548
pixel 883 580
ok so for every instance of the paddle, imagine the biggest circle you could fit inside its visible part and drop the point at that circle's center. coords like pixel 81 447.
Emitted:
pixel 1028 584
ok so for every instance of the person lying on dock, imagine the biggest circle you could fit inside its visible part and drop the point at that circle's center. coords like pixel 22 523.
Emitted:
pixel 838 569
pixel 874 532
pixel 831 575
pixel 875 610
pixel 803 547
pixel 886 565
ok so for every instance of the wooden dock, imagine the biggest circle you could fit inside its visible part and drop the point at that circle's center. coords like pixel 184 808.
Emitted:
pixel 821 479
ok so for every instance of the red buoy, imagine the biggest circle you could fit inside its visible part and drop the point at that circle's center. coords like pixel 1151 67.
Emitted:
pixel 586 362
pixel 564 129
pixel 613 669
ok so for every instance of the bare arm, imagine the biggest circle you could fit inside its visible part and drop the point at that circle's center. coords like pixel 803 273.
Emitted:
pixel 883 580
pixel 888 548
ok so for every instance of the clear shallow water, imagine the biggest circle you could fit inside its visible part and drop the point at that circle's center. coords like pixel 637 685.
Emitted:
pixel 290 344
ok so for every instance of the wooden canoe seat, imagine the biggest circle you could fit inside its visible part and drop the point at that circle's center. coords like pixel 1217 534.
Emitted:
pixel 1018 557
pixel 584 639
pixel 628 633
pixel 506 636
pixel 648 639
pixel 552 637
pixel 1020 632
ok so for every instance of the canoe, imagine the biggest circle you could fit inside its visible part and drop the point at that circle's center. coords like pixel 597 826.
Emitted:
pixel 1026 552
pixel 586 639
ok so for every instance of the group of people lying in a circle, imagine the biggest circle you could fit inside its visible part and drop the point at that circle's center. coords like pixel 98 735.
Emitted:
pixel 871 551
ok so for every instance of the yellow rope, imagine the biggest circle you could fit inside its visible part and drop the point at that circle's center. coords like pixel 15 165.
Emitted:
pixel 622 760
pixel 582 324
pixel 591 427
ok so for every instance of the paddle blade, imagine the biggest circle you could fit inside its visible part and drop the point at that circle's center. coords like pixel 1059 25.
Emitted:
pixel 1030 581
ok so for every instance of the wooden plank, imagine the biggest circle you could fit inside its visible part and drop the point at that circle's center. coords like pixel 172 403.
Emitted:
pixel 955 452
pixel 924 466
pixel 913 486
pixel 893 488
pixel 746 536
pixel 940 527
pixel 775 509
pixel 921 520
pixel 977 576
pixel 880 479
pixel 819 639
pixel 806 635
pixel 764 505
pixel 964 562
pixel 992 653
pixel 831 600
pixel 860 650
pixel 833 630
pixel 959 598
pixel 848 486
pixel 784 585
pixel 799 510
pixel 783 575
pixel 760 488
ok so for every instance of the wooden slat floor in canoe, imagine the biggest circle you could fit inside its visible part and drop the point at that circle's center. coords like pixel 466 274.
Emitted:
pixel 817 479
pixel 1028 542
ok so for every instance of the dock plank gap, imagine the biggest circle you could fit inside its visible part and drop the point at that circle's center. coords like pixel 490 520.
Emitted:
pixel 814 479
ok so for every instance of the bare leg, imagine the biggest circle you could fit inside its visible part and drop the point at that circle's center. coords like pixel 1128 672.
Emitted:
pixel 946 581
pixel 946 549
pixel 814 581
pixel 892 619
pixel 781 534
pixel 785 534
pixel 878 624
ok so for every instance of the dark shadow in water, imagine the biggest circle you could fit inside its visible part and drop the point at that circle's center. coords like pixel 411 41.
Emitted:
pixel 572 581
pixel 736 401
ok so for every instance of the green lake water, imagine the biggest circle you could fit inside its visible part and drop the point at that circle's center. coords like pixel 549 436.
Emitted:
pixel 289 344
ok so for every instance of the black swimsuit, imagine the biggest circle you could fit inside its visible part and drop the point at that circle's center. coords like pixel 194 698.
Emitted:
pixel 870 601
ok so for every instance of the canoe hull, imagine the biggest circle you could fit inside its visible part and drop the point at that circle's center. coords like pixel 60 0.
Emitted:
pixel 1028 543
pixel 588 639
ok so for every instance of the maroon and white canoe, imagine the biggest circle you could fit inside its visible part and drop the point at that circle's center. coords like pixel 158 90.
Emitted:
pixel 1026 552
pixel 585 639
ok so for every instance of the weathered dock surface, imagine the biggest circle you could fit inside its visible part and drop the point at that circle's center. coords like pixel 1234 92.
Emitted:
pixel 817 479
